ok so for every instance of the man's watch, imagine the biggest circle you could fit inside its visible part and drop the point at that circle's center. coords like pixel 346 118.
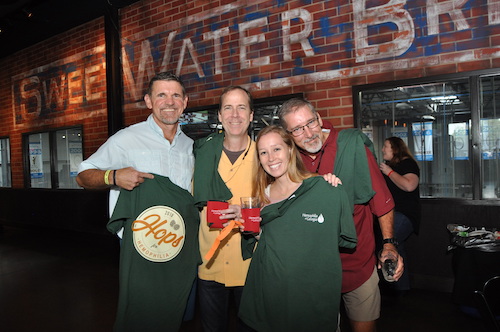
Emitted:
pixel 391 240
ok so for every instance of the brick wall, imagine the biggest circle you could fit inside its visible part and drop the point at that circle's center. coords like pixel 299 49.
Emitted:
pixel 57 83
pixel 319 48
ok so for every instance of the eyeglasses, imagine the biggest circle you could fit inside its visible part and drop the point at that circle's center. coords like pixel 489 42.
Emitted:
pixel 300 130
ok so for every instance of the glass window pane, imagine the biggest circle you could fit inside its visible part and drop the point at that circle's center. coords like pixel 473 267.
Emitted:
pixel 200 123
pixel 490 136
pixel 39 160
pixel 5 174
pixel 69 156
pixel 434 120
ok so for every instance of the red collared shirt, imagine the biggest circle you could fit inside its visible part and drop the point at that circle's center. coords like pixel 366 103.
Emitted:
pixel 357 267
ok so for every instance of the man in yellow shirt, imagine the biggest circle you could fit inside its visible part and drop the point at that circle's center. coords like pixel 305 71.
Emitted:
pixel 224 168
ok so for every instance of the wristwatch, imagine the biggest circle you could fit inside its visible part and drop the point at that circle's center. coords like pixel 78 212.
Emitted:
pixel 391 240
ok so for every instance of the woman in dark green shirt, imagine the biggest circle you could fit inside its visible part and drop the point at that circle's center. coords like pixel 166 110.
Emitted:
pixel 295 275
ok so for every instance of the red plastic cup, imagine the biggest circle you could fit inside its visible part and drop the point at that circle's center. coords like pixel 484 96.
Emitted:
pixel 250 213
pixel 213 213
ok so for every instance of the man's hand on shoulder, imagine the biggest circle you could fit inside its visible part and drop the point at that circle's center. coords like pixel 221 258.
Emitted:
pixel 332 179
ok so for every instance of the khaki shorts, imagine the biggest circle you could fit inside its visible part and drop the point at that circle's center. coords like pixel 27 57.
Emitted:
pixel 363 303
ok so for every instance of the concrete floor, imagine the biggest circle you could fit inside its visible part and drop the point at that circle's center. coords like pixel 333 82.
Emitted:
pixel 66 281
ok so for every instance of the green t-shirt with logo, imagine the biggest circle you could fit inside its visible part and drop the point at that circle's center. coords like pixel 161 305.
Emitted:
pixel 159 255
pixel 294 279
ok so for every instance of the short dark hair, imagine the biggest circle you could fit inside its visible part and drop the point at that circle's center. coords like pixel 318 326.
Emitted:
pixel 236 87
pixel 165 76
pixel 292 105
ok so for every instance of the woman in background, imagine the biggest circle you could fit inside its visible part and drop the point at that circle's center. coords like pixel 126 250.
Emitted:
pixel 401 173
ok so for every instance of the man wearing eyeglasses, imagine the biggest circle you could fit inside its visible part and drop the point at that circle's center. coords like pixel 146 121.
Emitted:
pixel 346 153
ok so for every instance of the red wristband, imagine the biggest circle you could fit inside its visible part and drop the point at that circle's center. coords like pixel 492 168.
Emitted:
pixel 389 175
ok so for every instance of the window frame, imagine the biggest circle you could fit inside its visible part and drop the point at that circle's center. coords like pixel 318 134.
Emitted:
pixel 474 80
pixel 10 160
pixel 54 174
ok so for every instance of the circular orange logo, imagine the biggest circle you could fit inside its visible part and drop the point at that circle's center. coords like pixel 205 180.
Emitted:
pixel 159 233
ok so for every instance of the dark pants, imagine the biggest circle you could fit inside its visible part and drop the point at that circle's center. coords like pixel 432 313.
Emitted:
pixel 403 228
pixel 214 300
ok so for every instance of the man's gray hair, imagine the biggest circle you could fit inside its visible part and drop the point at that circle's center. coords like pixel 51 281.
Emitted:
pixel 291 106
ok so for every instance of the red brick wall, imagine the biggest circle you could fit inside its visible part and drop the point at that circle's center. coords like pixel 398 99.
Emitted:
pixel 57 83
pixel 338 59
pixel 264 45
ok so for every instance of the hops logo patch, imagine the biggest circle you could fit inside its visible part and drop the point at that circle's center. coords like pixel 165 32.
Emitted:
pixel 159 233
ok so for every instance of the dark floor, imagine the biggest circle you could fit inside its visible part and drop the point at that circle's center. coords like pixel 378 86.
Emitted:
pixel 62 281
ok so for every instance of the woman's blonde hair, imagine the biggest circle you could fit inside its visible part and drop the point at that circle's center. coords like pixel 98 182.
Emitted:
pixel 297 172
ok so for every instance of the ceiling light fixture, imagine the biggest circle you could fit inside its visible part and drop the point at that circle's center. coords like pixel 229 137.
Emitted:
pixel 452 99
